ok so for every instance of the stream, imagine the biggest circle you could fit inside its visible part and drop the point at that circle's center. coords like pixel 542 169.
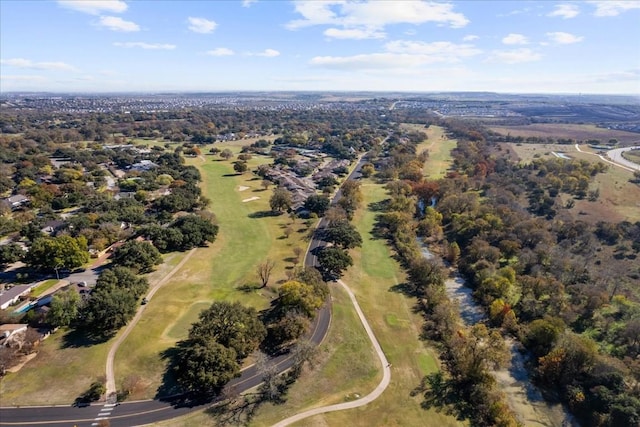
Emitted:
pixel 522 396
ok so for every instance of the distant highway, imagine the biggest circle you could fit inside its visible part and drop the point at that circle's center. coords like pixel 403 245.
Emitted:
pixel 129 414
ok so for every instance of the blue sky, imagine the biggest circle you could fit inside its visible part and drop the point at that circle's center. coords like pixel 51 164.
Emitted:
pixel 501 46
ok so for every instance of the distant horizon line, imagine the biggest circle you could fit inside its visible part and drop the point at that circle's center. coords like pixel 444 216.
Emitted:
pixel 249 91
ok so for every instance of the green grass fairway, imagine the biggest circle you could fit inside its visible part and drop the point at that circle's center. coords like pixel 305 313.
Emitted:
pixel 396 327
pixel 347 365
pixel 213 273
pixel 439 148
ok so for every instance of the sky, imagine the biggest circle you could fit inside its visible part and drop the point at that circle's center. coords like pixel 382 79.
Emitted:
pixel 334 45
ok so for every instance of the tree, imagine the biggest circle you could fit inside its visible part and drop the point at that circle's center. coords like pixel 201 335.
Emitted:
pixel 196 231
pixel 425 273
pixel 141 256
pixel 264 271
pixel 333 261
pixel 109 309
pixel 367 170
pixel 123 278
pixel 65 306
pixel 203 365
pixel 11 253
pixel 300 297
pixel 280 200
pixel 226 154
pixel 342 234
pixel 58 252
pixel 240 166
pixel 317 204
pixel 232 325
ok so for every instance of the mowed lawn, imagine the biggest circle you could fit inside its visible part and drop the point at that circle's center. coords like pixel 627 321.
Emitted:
pixel 213 273
pixel 439 148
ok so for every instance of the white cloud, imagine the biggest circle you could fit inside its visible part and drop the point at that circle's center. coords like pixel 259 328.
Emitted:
pixel 115 23
pixel 143 45
pixel 269 53
pixel 220 51
pixel 248 3
pixel 354 34
pixel 400 54
pixel 470 38
pixel 201 25
pixel 514 56
pixel 564 38
pixel 374 14
pixel 630 75
pixel 94 7
pixel 565 11
pixel 515 39
pixel 613 7
pixel 22 78
pixel 27 63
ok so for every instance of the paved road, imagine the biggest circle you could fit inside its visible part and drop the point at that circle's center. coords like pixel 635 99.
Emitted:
pixel 616 156
pixel 128 414
pixel 386 374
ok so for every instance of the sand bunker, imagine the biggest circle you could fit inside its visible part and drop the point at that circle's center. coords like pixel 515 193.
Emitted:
pixel 242 188
pixel 250 199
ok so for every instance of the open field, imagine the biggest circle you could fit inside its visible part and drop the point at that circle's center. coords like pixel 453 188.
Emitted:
pixel 619 199
pixel 439 148
pixel 573 131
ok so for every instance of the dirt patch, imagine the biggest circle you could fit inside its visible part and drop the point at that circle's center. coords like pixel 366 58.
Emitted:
pixel 243 188
pixel 23 362
pixel 251 199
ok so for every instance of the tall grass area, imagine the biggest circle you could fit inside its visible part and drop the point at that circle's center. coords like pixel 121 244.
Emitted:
pixel 213 273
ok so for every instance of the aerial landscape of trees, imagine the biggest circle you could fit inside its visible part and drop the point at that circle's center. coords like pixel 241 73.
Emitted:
pixel 558 282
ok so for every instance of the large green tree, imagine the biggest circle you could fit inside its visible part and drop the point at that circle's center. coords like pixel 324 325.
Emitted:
pixel 58 252
pixel 342 234
pixel 140 256
pixel 333 261
pixel 280 200
pixel 232 325
pixel 65 306
pixel 203 365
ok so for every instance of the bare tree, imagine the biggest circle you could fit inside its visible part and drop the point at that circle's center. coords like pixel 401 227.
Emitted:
pixel 297 252
pixel 264 271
